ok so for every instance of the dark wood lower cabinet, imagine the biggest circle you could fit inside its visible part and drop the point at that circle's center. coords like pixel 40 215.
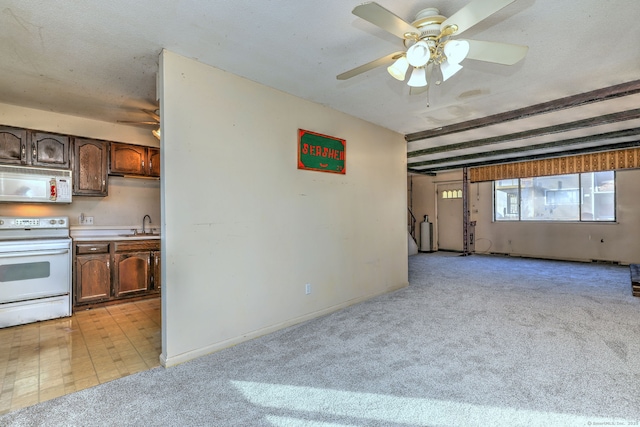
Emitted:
pixel 133 272
pixel 93 278
pixel 156 277
pixel 115 270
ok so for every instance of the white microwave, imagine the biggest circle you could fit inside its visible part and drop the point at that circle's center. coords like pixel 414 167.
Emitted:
pixel 34 185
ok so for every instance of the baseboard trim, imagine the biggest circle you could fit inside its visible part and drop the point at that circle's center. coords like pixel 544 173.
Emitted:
pixel 168 362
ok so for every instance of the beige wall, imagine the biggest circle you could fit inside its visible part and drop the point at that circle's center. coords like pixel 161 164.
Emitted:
pixel 129 199
pixel 245 230
pixel 616 242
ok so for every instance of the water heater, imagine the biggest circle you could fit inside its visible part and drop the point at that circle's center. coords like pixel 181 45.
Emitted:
pixel 426 233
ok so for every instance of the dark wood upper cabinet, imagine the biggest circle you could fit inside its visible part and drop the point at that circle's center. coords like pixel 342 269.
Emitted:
pixel 13 145
pixel 154 161
pixel 129 159
pixel 49 150
pixel 31 148
pixel 90 160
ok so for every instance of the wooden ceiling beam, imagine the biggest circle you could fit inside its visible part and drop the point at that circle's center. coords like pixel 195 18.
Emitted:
pixel 555 144
pixel 616 91
pixel 586 150
pixel 559 128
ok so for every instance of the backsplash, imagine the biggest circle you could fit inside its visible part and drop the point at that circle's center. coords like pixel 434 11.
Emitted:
pixel 128 201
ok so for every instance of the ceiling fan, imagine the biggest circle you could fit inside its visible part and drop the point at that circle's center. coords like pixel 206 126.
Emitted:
pixel 430 44
pixel 153 120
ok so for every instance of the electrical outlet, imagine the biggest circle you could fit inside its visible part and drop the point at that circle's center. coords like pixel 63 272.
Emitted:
pixel 85 220
pixel 307 288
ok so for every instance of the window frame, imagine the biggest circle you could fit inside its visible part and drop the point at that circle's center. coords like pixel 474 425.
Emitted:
pixel 580 202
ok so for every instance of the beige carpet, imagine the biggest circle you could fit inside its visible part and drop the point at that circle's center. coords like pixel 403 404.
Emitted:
pixel 473 341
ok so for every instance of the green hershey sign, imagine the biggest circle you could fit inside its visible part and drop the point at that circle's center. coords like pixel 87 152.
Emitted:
pixel 321 152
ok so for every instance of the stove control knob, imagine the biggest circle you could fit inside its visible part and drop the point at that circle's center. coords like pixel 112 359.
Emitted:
pixel 1 221
pixel 52 221
pixel 61 221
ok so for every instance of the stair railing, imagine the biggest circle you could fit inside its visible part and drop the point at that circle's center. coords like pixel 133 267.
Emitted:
pixel 411 223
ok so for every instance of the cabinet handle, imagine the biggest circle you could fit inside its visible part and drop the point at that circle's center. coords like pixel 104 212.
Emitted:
pixel 143 164
pixel 108 264
pixel 24 152
pixel 34 152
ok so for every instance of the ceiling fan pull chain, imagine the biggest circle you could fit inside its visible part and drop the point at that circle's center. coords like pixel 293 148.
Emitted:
pixel 429 74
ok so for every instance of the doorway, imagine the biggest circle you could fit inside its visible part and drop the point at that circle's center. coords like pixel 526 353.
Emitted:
pixel 449 219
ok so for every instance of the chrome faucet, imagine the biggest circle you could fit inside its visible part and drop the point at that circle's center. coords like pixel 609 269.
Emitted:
pixel 144 219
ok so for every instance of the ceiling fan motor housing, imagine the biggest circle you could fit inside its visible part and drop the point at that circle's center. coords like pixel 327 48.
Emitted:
pixel 428 22
pixel 422 50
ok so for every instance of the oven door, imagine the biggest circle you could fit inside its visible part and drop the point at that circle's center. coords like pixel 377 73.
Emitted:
pixel 34 269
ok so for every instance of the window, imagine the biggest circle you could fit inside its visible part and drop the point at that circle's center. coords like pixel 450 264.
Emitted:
pixel 506 200
pixel 577 197
pixel 452 194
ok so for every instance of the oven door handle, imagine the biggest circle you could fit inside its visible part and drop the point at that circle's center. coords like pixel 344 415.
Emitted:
pixel 33 253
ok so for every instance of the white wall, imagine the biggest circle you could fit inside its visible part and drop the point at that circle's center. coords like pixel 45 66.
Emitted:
pixel 245 230
pixel 30 118
pixel 129 199
pixel 617 242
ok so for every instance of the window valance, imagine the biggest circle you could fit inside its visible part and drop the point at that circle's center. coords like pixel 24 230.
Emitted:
pixel 628 158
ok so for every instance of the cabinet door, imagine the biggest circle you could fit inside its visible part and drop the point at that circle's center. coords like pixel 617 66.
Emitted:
pixel 157 279
pixel 133 273
pixel 93 278
pixel 128 159
pixel 154 162
pixel 13 145
pixel 90 167
pixel 49 150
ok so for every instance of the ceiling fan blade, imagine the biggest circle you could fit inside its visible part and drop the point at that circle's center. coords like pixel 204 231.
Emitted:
pixel 383 18
pixel 499 53
pixel 152 114
pixel 370 66
pixel 137 123
pixel 474 12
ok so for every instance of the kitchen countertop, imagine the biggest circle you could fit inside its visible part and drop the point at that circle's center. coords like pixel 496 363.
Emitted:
pixel 111 233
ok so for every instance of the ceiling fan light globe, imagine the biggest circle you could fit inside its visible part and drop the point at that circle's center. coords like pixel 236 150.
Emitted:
pixel 418 77
pixel 398 69
pixel 419 54
pixel 449 69
pixel 456 50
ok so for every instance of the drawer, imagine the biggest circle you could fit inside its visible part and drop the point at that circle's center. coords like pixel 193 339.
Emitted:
pixel 92 248
pixel 138 245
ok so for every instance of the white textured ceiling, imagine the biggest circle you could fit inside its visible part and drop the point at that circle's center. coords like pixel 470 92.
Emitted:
pixel 99 58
